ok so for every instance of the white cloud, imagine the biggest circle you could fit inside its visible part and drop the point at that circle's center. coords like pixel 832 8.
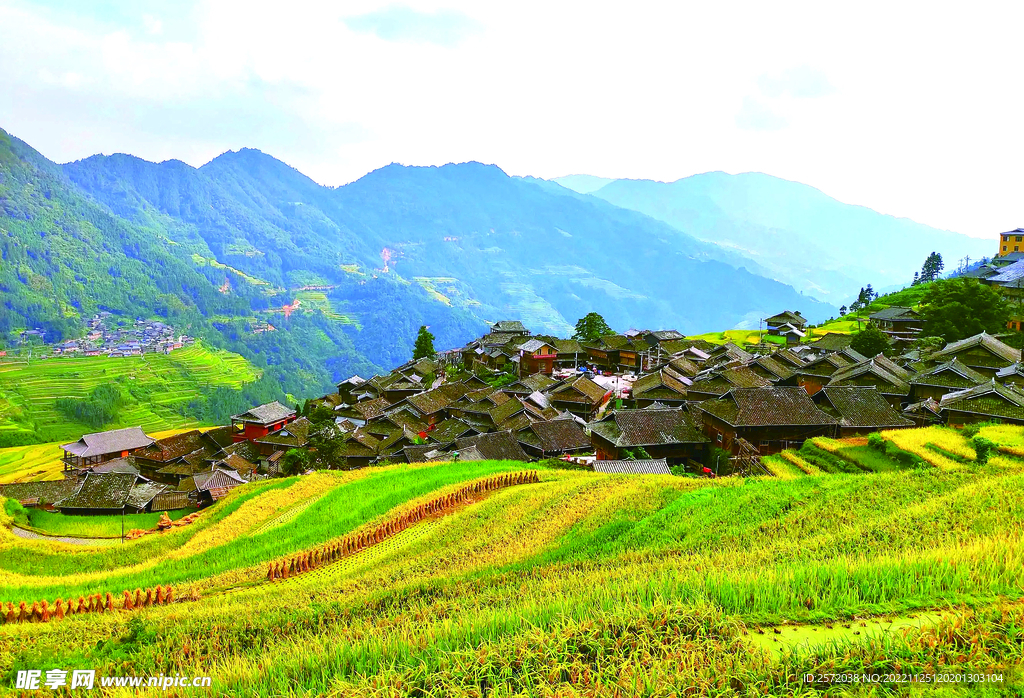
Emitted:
pixel 908 108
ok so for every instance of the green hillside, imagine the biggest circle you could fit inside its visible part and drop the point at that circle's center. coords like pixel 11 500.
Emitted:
pixel 157 389
pixel 579 584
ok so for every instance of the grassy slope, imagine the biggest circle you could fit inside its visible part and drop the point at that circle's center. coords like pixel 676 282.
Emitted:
pixel 42 461
pixel 158 386
pixel 846 324
pixel 631 584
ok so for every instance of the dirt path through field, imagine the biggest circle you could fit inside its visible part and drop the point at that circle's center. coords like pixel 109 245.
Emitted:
pixel 32 535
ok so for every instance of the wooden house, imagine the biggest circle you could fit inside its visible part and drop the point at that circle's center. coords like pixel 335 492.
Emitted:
pixel 554 438
pixel 499 445
pixel 206 488
pixel 100 447
pixel 719 382
pixel 983 403
pixel 832 341
pixel 580 396
pixel 260 421
pixel 982 353
pixel 510 327
pixel 665 432
pixel 1011 375
pixel 569 353
pixel 536 356
pixel 773 370
pixel 784 321
pixel 664 386
pixel 924 413
pixel 892 381
pixel 899 323
pixel 859 410
pixel 100 494
pixel 292 435
pixel 771 419
pixel 816 373
pixel 948 377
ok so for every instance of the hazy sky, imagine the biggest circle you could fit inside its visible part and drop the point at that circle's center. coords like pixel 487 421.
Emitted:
pixel 913 109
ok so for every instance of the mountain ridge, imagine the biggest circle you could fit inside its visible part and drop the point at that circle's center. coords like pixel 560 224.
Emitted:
pixel 794 230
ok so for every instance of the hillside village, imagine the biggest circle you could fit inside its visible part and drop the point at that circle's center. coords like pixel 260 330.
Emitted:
pixel 106 336
pixel 636 402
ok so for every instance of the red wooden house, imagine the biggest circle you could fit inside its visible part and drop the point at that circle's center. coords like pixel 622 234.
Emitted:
pixel 260 421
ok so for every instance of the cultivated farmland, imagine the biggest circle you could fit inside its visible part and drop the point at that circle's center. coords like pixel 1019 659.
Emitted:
pixel 156 388
pixel 476 579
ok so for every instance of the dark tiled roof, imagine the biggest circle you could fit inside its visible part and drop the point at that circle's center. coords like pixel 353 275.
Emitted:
pixel 583 387
pixel 265 414
pixel 448 430
pixel 107 491
pixel 661 382
pixel 559 435
pixel 368 409
pixel 172 447
pixel 569 346
pixel 441 397
pixel 170 500
pixel 775 367
pixel 143 493
pixel 951 374
pixel 650 466
pixel 774 406
pixel 986 341
pixel 730 352
pixel 989 399
pixel 117 465
pixel 237 463
pixel 499 445
pixel 926 408
pixel 531 346
pixel 895 313
pixel 832 341
pixel 46 491
pixel 648 427
pixel 787 316
pixel 860 407
pixel 293 435
pixel 508 326
pixel 871 371
pixel 106 442
pixel 245 449
pixel 684 366
pixel 218 478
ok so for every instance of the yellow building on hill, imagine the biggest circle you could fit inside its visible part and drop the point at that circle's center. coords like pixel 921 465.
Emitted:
pixel 1011 241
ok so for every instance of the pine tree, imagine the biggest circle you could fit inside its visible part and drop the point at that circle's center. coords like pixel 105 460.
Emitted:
pixel 932 267
pixel 424 348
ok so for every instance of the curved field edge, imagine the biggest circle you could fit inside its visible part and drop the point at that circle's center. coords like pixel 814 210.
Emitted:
pixel 610 583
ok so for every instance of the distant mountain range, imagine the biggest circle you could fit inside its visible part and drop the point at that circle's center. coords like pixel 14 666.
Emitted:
pixel 794 232
pixel 346 275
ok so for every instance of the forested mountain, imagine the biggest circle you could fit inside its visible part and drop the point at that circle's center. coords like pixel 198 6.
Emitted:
pixel 482 244
pixel 345 276
pixel 821 246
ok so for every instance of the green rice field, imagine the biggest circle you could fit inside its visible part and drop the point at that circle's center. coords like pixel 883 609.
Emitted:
pixel 572 583
pixel 157 388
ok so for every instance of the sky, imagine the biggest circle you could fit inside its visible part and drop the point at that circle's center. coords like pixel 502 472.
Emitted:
pixel 912 109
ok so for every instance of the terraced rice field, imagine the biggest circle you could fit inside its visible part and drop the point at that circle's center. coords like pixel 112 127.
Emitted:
pixel 579 584
pixel 158 386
